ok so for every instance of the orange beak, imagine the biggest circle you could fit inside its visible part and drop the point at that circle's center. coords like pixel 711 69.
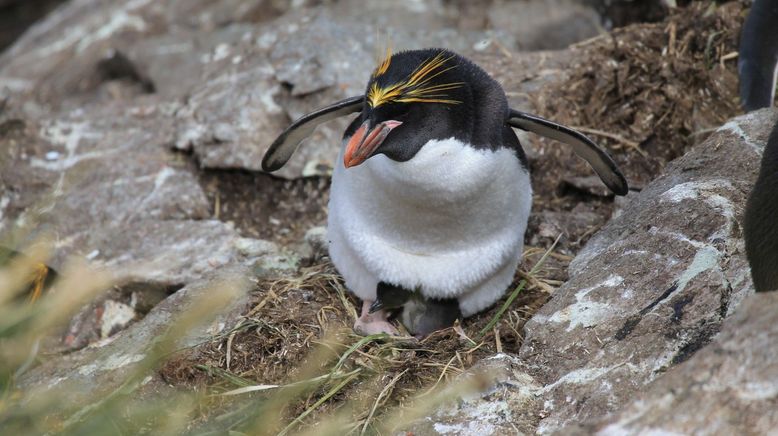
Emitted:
pixel 364 142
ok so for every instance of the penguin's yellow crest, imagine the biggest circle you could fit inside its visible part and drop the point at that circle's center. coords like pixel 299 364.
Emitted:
pixel 415 88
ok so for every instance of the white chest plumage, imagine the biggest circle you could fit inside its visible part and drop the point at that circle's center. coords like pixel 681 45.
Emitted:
pixel 449 222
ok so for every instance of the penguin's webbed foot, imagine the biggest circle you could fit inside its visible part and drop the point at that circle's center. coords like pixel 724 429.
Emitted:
pixel 374 323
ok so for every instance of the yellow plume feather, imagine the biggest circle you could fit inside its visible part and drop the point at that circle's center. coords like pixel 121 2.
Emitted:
pixel 384 65
pixel 414 88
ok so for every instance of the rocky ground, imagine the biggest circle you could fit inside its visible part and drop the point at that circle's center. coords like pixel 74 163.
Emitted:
pixel 131 135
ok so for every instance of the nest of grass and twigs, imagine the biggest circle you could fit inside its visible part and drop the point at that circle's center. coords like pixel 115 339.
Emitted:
pixel 297 333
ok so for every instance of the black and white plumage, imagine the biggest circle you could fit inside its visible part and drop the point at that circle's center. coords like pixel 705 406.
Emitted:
pixel 431 191
pixel 758 55
pixel 761 220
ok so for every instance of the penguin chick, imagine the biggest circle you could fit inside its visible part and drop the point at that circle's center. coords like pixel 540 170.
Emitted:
pixel 389 299
pixel 761 221
pixel 431 189
pixel 758 55
pixel 419 315
pixel 422 316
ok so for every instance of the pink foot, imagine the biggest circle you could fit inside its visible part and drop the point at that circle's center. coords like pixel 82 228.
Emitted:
pixel 373 323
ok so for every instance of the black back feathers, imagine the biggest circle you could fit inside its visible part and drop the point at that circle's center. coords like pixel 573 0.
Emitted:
pixel 761 220
pixel 758 55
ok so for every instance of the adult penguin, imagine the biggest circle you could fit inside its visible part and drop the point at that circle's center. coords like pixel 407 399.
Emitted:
pixel 431 191
pixel 758 55
pixel 757 68
pixel 760 226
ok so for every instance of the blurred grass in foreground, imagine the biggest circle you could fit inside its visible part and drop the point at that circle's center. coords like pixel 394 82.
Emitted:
pixel 23 324
pixel 340 387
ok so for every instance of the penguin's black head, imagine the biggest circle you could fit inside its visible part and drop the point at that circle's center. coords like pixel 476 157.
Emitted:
pixel 419 95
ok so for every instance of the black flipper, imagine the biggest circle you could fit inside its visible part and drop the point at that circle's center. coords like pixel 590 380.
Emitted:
pixel 584 147
pixel 284 146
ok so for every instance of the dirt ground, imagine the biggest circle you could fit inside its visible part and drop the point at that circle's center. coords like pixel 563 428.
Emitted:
pixel 266 207
pixel 652 91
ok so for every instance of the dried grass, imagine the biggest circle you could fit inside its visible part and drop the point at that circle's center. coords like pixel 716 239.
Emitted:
pixel 292 319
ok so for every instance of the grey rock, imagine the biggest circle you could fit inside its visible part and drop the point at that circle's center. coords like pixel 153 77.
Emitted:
pixel 229 113
pixel 255 247
pixel 285 262
pixel 234 73
pixel 729 387
pixel 162 34
pixel 652 287
pixel 305 60
pixel 88 375
pixel 116 316
pixel 265 257
pixel 112 186
pixel 432 15
pixel 171 252
pixel 19 14
pixel 316 239
pixel 177 61
pixel 101 181
pixel 546 25
pixel 510 404
pixel 314 243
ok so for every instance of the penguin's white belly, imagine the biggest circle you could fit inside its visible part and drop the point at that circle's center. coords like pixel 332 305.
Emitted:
pixel 449 222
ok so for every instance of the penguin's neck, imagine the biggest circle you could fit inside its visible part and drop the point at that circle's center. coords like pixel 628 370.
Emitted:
pixel 443 171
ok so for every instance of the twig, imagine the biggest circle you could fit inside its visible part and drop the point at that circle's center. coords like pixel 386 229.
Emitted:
pixel 318 403
pixel 378 399
pixel 440 377
pixel 256 388
pixel 589 41
pixel 230 339
pixel 702 132
pixel 538 283
pixel 458 329
pixel 631 144
pixel 728 56
pixel 344 300
pixel 353 348
pixel 258 307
